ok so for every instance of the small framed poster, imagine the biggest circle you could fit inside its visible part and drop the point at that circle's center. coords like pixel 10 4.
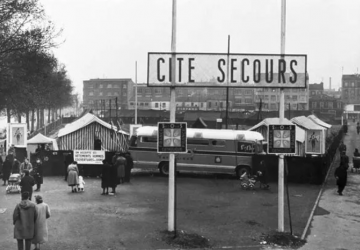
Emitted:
pixel 314 141
pixel 17 134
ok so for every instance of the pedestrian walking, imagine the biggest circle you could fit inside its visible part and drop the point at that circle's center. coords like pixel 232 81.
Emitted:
pixel 129 165
pixel 358 128
pixel 341 178
pixel 24 218
pixel 73 176
pixel 41 228
pixel 345 127
pixel 106 181
pixel 26 165
pixel 344 159
pixel 38 174
pixel 15 166
pixel 6 170
pixel 27 182
pixel 342 147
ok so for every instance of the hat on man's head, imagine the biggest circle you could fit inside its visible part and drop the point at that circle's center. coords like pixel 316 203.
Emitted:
pixel 25 195
pixel 38 199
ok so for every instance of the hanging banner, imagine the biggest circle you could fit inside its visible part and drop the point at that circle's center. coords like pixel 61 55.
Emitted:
pixel 244 70
pixel 89 156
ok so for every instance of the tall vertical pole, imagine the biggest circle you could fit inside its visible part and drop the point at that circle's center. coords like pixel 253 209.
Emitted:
pixel 116 107
pixel 281 118
pixel 110 109
pixel 136 98
pixel 172 193
pixel 227 87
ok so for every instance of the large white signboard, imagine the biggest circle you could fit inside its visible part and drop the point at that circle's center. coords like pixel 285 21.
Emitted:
pixel 244 70
pixel 89 156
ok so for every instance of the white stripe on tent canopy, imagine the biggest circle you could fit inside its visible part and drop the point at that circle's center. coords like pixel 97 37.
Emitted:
pixel 319 122
pixel 307 123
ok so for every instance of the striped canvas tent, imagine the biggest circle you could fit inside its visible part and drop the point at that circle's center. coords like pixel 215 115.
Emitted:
pixel 81 135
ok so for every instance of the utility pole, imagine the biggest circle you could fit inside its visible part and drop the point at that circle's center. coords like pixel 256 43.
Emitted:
pixel 227 85
pixel 136 98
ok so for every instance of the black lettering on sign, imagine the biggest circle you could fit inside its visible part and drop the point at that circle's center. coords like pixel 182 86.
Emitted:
pixel 191 67
pixel 269 73
pixel 282 69
pixel 233 68
pixel 257 70
pixel 245 147
pixel 222 79
pixel 243 70
pixel 170 71
pixel 160 78
pixel 294 77
pixel 180 61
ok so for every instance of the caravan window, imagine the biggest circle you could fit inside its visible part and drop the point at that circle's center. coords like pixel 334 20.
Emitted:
pixel 149 139
pixel 218 143
pixel 197 142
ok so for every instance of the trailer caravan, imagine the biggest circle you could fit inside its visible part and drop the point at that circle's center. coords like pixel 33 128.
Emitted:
pixel 208 150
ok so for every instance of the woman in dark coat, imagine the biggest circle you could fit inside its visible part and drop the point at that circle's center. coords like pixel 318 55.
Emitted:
pixel 38 174
pixel 106 177
pixel 6 170
pixel 341 178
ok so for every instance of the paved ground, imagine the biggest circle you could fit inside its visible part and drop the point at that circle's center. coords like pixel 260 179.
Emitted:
pixel 336 224
pixel 214 207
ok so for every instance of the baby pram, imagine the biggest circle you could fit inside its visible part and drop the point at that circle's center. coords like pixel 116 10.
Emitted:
pixel 249 182
pixel 14 184
pixel 356 164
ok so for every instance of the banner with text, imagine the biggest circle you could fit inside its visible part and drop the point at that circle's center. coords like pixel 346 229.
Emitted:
pixel 89 156
pixel 233 70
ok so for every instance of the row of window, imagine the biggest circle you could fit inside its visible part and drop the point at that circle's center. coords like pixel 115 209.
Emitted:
pixel 329 105
pixel 108 93
pixel 109 86
pixel 277 98
pixel 351 84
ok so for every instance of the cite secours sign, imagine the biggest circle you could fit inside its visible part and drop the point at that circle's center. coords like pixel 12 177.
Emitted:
pixel 228 70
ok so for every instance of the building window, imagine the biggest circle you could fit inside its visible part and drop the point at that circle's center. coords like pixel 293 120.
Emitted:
pixel 201 105
pixel 339 105
pixel 352 84
pixel 314 105
pixel 158 91
pixel 345 84
pixel 156 105
pixel 90 86
pixel 164 104
pixel 248 100
pixel 101 94
pixel 321 105
pixel 273 97
pixel 330 105
pixel 109 86
pixel 209 105
pixel 273 106
pixel 141 104
pixel 124 86
pixel 146 104
pixel 109 94
pixel 131 104
pixel 91 93
pixel 116 86
pixel 101 86
pixel 294 97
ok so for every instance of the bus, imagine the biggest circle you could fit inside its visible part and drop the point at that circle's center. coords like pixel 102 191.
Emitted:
pixel 208 150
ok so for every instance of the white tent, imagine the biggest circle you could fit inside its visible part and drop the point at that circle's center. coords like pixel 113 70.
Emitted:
pixel 319 122
pixel 263 128
pixel 40 139
pixel 81 134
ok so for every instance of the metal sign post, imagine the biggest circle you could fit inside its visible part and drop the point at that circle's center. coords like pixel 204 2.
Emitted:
pixel 172 191
pixel 281 118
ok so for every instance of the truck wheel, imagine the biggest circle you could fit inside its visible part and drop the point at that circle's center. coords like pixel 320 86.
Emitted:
pixel 241 170
pixel 164 169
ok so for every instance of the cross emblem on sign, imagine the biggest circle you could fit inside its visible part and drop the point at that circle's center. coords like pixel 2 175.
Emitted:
pixel 172 137
pixel 282 139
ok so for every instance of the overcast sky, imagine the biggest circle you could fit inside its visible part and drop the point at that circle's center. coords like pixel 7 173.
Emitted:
pixel 104 38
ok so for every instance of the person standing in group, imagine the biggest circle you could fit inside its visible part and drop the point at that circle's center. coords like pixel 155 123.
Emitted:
pixel 129 165
pixel 27 183
pixel 41 228
pixel 26 165
pixel 38 174
pixel 120 164
pixel 106 178
pixel 6 170
pixel 24 218
pixel 341 178
pixel 73 176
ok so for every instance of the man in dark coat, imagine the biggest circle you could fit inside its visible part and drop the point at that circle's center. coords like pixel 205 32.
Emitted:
pixel 344 159
pixel 106 180
pixel 38 174
pixel 6 170
pixel 24 217
pixel 129 165
pixel 27 183
pixel 342 147
pixel 341 178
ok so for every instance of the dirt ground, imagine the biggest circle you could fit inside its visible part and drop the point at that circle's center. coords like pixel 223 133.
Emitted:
pixel 212 206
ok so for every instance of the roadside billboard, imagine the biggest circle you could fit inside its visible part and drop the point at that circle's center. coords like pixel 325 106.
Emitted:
pixel 228 70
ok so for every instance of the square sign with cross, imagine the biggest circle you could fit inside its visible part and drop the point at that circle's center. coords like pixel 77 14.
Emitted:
pixel 282 139
pixel 172 137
